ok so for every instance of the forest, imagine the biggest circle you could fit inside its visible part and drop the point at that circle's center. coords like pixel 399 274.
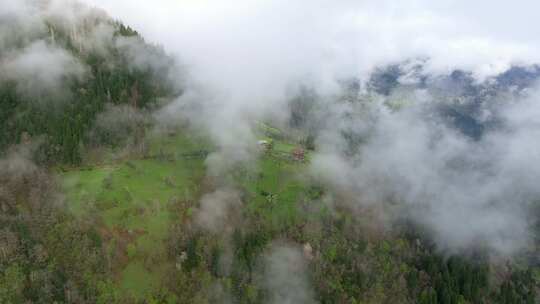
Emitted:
pixel 105 199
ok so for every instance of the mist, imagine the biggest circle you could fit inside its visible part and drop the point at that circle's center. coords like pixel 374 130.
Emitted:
pixel 35 57
pixel 247 59
pixel 41 69
pixel 468 192
pixel 286 276
pixel 219 211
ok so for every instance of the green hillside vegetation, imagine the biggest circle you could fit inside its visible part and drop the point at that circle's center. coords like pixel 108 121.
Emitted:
pixel 137 200
pixel 99 205
pixel 134 200
pixel 146 208
pixel 137 214
pixel 63 120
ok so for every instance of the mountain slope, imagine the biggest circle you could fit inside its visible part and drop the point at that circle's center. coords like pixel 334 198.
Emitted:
pixel 342 199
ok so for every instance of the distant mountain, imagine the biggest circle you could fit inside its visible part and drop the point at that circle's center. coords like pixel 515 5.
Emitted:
pixel 461 97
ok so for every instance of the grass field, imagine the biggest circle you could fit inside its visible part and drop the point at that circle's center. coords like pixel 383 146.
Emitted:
pixel 132 198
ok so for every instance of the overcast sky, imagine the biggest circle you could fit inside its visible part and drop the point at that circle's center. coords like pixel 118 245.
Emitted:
pixel 324 38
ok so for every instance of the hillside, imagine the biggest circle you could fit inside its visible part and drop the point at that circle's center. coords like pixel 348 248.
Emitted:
pixel 120 182
pixel 65 65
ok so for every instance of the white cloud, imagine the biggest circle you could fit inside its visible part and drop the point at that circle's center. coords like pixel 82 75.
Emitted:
pixel 266 43
pixel 243 56
pixel 40 69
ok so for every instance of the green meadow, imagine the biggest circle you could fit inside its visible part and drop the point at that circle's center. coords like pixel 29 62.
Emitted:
pixel 134 198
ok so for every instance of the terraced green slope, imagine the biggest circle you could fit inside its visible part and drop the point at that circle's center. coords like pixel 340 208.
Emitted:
pixel 136 201
pixel 132 199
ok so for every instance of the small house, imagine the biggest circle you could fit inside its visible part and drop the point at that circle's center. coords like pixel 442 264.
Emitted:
pixel 265 145
pixel 298 154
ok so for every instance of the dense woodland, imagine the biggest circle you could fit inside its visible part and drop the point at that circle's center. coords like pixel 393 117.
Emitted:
pixel 64 123
pixel 48 255
pixel 349 267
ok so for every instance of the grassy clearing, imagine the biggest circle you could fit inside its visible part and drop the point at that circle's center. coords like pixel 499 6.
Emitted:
pixel 82 186
pixel 138 282
pixel 132 200
pixel 275 189
pixel 132 197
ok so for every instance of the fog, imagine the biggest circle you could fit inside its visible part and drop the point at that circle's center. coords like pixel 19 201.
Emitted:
pixel 405 152
pixel 468 192
pixel 40 69
pixel 246 59
pixel 32 57
pixel 254 42
pixel 243 62
pixel 285 276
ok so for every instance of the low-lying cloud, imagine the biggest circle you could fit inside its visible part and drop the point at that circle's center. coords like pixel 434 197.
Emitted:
pixel 246 57
pixel 41 69
pixel 468 192
pixel 219 211
pixel 286 276
pixel 43 45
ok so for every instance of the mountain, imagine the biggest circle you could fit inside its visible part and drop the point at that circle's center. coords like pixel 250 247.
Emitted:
pixel 123 181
